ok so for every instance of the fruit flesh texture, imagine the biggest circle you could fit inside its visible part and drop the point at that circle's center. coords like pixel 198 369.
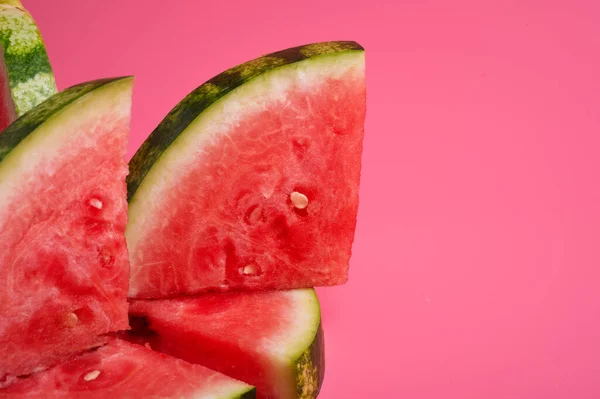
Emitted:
pixel 271 340
pixel 7 108
pixel 217 212
pixel 63 257
pixel 122 370
pixel 26 77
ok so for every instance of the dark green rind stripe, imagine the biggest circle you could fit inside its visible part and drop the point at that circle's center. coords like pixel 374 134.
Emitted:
pixel 251 394
pixel 204 96
pixel 310 368
pixel 22 127
pixel 24 66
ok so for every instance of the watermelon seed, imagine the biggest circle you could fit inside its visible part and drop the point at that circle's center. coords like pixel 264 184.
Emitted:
pixel 253 214
pixel 96 203
pixel 92 375
pixel 249 270
pixel 299 200
pixel 71 319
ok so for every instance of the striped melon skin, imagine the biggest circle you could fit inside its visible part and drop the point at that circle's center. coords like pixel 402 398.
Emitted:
pixel 212 191
pixel 26 77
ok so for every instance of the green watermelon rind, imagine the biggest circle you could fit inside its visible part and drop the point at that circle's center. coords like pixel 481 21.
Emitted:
pixel 191 108
pixel 306 355
pixel 310 368
pixel 308 361
pixel 30 76
pixel 21 134
pixel 250 394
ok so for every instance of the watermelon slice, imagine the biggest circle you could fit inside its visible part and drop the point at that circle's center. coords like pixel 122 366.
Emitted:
pixel 251 182
pixel 124 370
pixel 26 77
pixel 63 258
pixel 272 340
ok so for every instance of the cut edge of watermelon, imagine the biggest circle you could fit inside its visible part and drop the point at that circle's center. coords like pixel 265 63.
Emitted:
pixel 245 391
pixel 307 319
pixel 83 374
pixel 246 99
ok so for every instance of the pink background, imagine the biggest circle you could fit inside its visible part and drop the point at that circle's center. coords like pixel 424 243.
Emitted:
pixel 476 268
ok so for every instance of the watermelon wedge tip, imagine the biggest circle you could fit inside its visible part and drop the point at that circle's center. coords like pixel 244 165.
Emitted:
pixel 122 370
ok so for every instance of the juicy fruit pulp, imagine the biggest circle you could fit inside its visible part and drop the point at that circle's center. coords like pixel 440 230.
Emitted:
pixel 63 257
pixel 271 340
pixel 26 78
pixel 252 181
pixel 124 370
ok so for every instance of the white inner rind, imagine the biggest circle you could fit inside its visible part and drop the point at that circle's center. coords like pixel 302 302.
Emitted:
pixel 42 148
pixel 303 321
pixel 285 348
pixel 226 389
pixel 216 121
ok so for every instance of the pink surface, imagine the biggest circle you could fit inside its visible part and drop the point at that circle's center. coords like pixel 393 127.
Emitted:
pixel 476 267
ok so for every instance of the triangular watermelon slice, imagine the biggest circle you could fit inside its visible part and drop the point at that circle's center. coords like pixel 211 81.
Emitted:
pixel 63 257
pixel 272 340
pixel 26 77
pixel 251 182
pixel 121 370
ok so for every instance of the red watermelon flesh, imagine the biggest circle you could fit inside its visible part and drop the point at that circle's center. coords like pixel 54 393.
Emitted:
pixel 7 107
pixel 63 257
pixel 121 370
pixel 261 192
pixel 271 340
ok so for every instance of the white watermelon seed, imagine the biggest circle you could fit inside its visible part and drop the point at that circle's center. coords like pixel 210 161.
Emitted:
pixel 249 270
pixel 92 375
pixel 299 200
pixel 96 203
pixel 71 319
